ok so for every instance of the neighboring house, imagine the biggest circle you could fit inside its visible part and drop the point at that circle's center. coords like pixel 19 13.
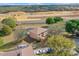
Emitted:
pixel 28 51
pixel 38 33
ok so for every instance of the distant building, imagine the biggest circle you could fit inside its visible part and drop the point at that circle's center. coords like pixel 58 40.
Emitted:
pixel 38 33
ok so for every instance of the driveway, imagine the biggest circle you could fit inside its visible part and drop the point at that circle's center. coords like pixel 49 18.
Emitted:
pixel 77 41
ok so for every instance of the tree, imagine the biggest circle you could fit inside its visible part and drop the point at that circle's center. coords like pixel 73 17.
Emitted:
pixel 5 30
pixel 50 20
pixel 10 22
pixel 22 33
pixel 57 19
pixel 61 45
pixel 72 26
pixel 1 41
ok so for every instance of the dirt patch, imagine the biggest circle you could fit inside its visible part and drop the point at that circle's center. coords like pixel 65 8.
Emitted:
pixel 9 38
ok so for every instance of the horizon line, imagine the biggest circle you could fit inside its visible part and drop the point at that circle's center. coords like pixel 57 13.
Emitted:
pixel 36 3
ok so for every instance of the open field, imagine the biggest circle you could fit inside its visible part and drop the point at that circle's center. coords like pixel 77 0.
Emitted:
pixel 27 16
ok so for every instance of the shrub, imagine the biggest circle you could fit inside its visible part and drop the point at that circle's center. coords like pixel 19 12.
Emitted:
pixel 53 20
pixel 57 19
pixel 50 20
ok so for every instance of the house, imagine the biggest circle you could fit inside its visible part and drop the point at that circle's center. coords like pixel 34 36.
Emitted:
pixel 38 33
pixel 28 51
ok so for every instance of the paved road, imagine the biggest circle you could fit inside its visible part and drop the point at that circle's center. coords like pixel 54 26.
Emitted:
pixel 32 22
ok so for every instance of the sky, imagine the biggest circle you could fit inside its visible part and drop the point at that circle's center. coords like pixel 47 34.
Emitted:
pixel 39 1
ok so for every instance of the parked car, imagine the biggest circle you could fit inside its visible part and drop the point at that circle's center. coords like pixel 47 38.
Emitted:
pixel 43 50
pixel 22 46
